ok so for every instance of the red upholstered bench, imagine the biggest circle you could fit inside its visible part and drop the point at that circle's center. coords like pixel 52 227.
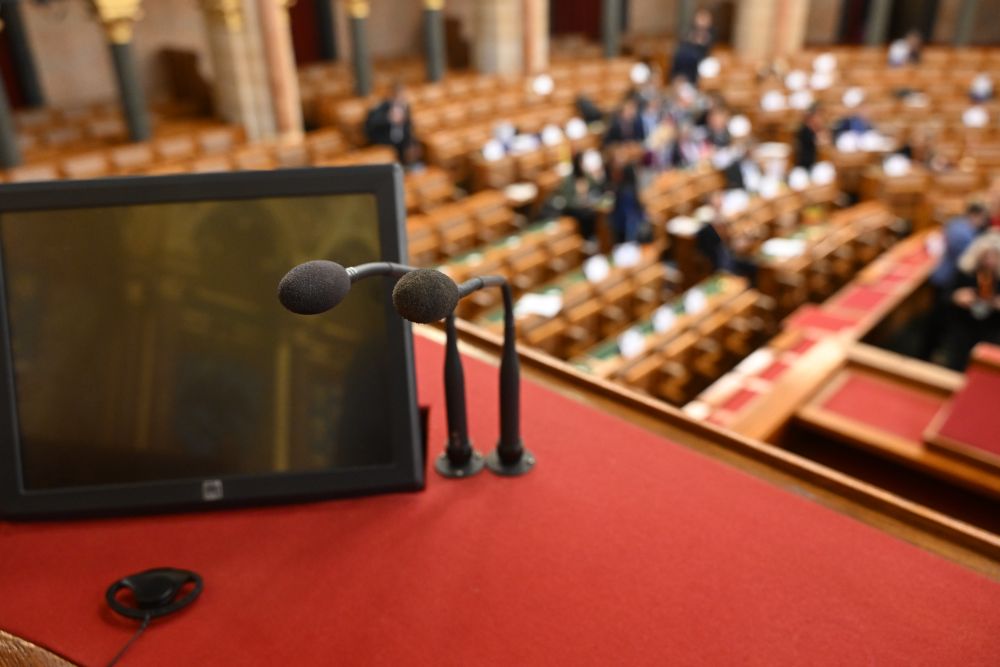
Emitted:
pixel 969 426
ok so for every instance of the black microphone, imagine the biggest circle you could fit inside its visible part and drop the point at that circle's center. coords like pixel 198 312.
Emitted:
pixel 315 287
pixel 510 456
pixel 422 296
pixel 425 295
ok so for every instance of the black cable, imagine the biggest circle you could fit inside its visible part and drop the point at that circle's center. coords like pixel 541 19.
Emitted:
pixel 128 645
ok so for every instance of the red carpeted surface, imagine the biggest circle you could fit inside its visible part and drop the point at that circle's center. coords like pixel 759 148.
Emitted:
pixel 804 345
pixel 919 256
pixel 895 277
pixel 973 418
pixel 886 405
pixel 987 354
pixel 861 298
pixel 619 549
pixel 739 399
pixel 774 371
pixel 811 316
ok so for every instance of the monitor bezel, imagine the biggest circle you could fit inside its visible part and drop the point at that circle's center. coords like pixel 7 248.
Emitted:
pixel 405 473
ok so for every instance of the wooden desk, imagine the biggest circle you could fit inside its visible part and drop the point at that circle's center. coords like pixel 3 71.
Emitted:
pixel 573 288
pixel 760 398
pixel 605 359
pixel 905 194
pixel 850 165
pixel 883 403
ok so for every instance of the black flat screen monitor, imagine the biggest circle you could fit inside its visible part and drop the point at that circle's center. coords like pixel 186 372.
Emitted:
pixel 147 364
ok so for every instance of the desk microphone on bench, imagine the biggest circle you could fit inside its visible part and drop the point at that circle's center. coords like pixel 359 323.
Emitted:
pixel 424 296
pixel 421 296
pixel 428 296
pixel 510 456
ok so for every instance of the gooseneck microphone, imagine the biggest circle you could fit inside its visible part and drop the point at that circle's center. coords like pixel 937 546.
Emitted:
pixel 460 458
pixel 425 295
pixel 315 287
pixel 510 457
pixel 422 296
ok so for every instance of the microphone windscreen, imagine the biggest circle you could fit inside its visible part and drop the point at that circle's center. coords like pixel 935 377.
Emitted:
pixel 424 296
pixel 314 287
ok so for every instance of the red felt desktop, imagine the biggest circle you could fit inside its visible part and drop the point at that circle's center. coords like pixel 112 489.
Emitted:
pixel 620 548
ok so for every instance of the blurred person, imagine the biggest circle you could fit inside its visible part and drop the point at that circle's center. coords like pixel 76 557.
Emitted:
pixel 906 50
pixel 694 47
pixel 703 106
pixel 690 148
pixel 587 110
pixel 812 134
pixel 581 192
pixel 626 126
pixel 746 172
pixel 715 242
pixel 628 217
pixel 959 233
pixel 919 148
pixel 702 31
pixel 710 241
pixel 975 314
pixel 683 103
pixel 664 146
pixel 981 90
pixel 650 115
pixel 390 124
pixel 716 130
pixel 856 121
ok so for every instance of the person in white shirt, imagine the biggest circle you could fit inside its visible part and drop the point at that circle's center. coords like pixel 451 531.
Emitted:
pixel 906 51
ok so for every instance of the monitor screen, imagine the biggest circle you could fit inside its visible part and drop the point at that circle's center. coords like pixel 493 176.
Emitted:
pixel 147 344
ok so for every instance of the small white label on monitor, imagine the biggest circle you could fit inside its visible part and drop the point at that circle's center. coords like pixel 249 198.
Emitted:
pixel 211 489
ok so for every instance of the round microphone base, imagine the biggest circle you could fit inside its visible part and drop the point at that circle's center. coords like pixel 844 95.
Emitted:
pixel 446 468
pixel 522 466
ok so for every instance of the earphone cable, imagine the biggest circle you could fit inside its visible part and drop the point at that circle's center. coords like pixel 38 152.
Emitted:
pixel 138 633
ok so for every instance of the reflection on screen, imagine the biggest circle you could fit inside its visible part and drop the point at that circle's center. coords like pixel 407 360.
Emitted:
pixel 148 342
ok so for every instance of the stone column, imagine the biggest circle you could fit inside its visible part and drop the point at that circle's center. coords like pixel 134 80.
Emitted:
pixel 753 37
pixel 357 10
pixel 326 29
pixel 771 28
pixel 499 39
pixel 966 22
pixel 242 96
pixel 118 18
pixel 611 29
pixel 24 59
pixel 434 39
pixel 878 22
pixel 535 14
pixel 282 77
pixel 789 26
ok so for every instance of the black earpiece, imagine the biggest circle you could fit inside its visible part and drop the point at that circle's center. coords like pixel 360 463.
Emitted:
pixel 155 591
